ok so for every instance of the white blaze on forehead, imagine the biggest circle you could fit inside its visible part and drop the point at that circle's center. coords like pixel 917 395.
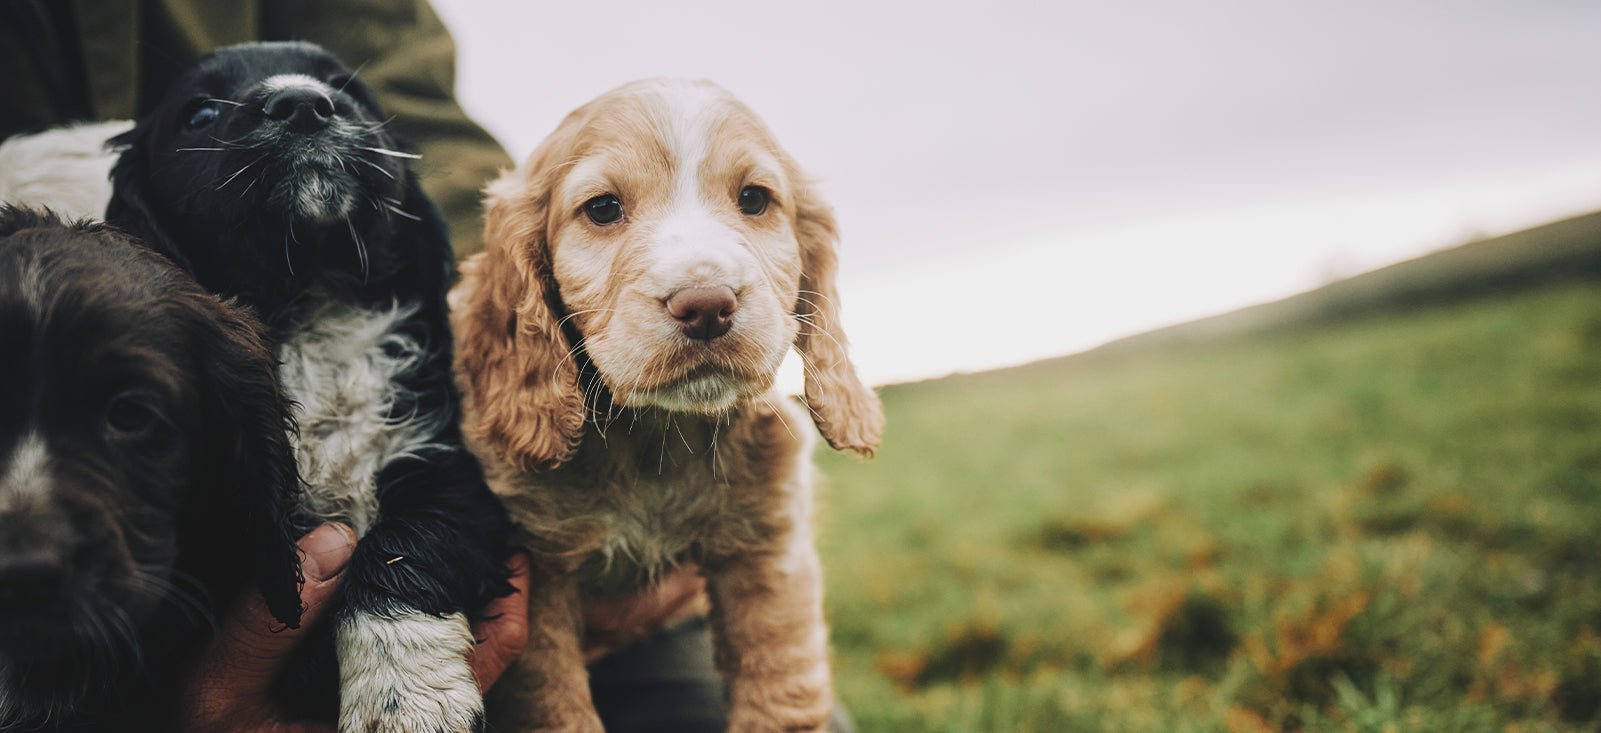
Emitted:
pixel 280 82
pixel 694 246
pixel 689 111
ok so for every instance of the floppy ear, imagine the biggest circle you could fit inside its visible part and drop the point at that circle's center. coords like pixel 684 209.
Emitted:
pixel 848 414
pixel 129 208
pixel 520 382
pixel 248 417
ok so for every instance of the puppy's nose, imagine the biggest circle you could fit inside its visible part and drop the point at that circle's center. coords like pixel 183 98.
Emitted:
pixel 703 313
pixel 30 578
pixel 304 108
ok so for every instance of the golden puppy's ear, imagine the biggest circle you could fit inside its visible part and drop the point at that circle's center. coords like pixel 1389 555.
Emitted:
pixel 848 414
pixel 521 388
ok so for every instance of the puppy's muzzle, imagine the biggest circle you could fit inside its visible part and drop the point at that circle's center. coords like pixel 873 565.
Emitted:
pixel 303 109
pixel 30 579
pixel 703 313
pixel 36 552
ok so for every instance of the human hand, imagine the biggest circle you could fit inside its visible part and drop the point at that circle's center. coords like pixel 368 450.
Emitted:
pixel 230 689
pixel 612 623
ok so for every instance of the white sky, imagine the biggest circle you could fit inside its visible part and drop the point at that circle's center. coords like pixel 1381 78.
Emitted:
pixel 1017 180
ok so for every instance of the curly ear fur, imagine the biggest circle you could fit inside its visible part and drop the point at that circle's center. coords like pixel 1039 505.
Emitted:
pixel 847 413
pixel 520 384
pixel 246 413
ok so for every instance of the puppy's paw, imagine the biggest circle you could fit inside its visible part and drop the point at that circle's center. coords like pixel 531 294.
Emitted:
pixel 407 673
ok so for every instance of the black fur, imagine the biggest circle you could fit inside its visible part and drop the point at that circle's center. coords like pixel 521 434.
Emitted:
pixel 99 334
pixel 228 200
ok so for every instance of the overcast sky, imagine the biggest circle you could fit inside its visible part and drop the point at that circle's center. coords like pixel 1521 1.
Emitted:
pixel 1017 180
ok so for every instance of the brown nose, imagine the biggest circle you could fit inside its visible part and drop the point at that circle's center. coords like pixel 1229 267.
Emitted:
pixel 703 313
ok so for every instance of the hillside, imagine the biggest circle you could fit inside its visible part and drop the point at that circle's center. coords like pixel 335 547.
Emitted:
pixel 1392 519
pixel 1565 250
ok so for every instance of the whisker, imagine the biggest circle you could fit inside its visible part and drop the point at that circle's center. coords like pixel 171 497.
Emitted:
pixel 376 167
pixel 681 437
pixel 241 170
pixel 391 153
pixel 290 234
pixel 570 316
pixel 401 212
pixel 780 415
pixel 352 76
pixel 235 142
pixel 662 458
pixel 361 248
pixel 717 424
pixel 570 354
pixel 831 302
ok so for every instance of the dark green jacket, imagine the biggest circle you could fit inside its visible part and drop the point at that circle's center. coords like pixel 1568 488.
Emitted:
pixel 67 60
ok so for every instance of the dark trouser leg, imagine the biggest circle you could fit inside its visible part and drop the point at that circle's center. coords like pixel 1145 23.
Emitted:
pixel 667 683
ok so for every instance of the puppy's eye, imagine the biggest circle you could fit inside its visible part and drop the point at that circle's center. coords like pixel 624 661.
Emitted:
pixel 604 209
pixel 131 415
pixel 203 116
pixel 753 200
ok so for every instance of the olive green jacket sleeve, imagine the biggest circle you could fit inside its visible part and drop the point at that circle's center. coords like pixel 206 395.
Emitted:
pixel 405 54
pixel 131 49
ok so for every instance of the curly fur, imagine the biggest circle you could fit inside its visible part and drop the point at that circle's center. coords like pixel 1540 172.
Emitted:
pixel 624 447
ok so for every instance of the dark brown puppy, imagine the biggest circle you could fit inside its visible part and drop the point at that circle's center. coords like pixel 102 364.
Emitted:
pixel 145 473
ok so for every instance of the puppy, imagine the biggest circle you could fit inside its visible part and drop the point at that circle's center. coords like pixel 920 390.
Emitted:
pixel 646 270
pixel 266 171
pixel 145 472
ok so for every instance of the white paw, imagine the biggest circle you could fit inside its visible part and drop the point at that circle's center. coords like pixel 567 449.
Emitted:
pixel 407 674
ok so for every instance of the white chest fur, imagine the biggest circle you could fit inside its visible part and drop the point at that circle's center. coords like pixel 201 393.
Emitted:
pixel 341 368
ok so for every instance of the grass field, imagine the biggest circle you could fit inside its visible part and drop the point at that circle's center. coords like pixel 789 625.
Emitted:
pixel 1374 524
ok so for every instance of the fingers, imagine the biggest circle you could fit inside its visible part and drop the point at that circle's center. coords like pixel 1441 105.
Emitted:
pixel 505 628
pixel 610 620
pixel 649 607
pixel 230 689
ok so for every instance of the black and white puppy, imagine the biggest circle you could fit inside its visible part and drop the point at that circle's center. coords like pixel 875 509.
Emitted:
pixel 145 474
pixel 266 170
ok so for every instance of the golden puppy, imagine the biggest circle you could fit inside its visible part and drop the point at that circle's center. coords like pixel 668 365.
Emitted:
pixel 645 271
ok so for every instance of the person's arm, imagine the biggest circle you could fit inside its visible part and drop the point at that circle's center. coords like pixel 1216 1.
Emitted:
pixel 406 55
pixel 231 688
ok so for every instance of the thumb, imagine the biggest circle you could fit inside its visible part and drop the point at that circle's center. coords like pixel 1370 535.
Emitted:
pixel 236 673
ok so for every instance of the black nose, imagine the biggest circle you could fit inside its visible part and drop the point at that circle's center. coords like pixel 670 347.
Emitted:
pixel 305 109
pixel 30 578
pixel 703 313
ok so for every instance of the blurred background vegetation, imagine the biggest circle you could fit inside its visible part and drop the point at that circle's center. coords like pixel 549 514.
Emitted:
pixel 1372 507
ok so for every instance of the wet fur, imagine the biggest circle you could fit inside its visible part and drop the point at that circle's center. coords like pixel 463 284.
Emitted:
pixel 330 238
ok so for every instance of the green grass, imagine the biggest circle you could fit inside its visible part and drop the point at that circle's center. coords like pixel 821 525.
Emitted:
pixel 1382 524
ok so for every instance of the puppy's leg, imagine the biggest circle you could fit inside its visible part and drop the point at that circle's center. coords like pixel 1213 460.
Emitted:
pixel 772 644
pixel 547 688
pixel 403 638
pixel 406 670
